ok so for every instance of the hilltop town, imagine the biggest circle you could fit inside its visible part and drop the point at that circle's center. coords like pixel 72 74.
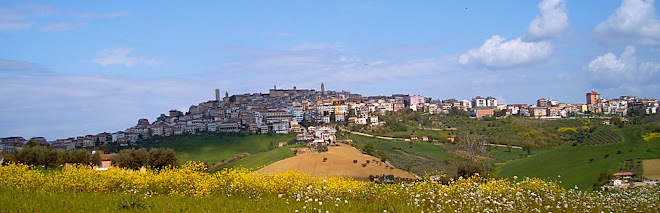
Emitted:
pixel 285 111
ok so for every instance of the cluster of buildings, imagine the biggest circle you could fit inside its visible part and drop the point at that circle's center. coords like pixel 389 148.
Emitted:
pixel 285 111
pixel 480 107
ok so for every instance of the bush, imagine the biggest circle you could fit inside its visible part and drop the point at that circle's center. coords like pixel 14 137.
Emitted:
pixel 364 165
pixel 131 158
pixel 325 159
pixel 355 161
pixel 160 158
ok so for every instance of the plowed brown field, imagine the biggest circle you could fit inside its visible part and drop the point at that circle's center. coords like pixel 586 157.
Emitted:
pixel 339 163
pixel 651 169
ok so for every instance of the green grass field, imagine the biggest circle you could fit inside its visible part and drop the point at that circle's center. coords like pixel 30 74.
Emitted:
pixel 256 161
pixel 424 148
pixel 572 162
pixel 15 200
pixel 501 154
pixel 212 148
pixel 431 134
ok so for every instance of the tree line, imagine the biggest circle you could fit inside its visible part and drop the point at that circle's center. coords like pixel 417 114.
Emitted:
pixel 31 153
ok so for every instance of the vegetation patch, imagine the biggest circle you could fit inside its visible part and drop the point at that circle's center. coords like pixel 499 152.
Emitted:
pixel 650 131
pixel 604 136
pixel 213 148
pixel 189 188
pixel 581 165
pixel 650 136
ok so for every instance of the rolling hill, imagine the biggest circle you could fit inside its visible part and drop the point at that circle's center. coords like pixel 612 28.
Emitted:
pixel 581 165
pixel 212 148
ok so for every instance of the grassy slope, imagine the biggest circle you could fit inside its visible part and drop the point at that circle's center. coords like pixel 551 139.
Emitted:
pixel 256 161
pixel 501 154
pixel 213 148
pixel 572 163
pixel 424 148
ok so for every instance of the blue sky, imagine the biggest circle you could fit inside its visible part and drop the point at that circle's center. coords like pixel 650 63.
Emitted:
pixel 72 68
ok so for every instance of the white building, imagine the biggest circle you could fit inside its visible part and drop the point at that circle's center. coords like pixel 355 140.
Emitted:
pixel 479 102
pixel 491 102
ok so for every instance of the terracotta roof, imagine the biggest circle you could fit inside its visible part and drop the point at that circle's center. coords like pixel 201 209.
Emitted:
pixel 623 173
pixel 107 156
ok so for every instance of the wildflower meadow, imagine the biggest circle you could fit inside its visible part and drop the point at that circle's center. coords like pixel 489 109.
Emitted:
pixel 191 188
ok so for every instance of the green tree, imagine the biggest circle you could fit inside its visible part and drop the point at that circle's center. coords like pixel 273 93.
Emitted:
pixel 368 148
pixel 499 113
pixel 51 159
pixel 33 156
pixel 96 159
pixel 131 158
pixel 160 158
pixel 31 143
pixel 616 120
pixel 77 156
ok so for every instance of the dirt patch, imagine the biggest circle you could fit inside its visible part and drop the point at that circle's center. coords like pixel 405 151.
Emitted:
pixel 651 169
pixel 339 163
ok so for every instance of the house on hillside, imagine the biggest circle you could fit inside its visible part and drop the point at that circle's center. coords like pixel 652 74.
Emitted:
pixel 482 112
pixel 106 162
pixel 624 175
pixel 304 137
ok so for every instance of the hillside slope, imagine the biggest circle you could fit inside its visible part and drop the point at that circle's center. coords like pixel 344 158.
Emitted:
pixel 212 148
pixel 573 164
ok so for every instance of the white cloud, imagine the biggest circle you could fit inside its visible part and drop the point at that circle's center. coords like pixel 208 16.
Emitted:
pixel 635 21
pixel 109 15
pixel 318 46
pixel 20 18
pixel 497 52
pixel 609 71
pixel 552 21
pixel 57 27
pixel 533 47
pixel 121 56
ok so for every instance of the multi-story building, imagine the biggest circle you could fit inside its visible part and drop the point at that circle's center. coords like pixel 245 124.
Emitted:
pixel 491 102
pixel 479 102
pixel 416 100
pixel 592 97
pixel 542 102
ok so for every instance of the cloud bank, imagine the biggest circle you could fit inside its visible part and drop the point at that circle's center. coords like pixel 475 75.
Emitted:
pixel 498 52
pixel 635 21
pixel 625 71
pixel 120 56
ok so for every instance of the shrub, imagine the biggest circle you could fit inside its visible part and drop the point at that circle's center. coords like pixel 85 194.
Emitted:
pixel 325 159
pixel 355 161
pixel 364 165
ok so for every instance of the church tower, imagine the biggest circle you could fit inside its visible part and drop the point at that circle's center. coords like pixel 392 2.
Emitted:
pixel 322 88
